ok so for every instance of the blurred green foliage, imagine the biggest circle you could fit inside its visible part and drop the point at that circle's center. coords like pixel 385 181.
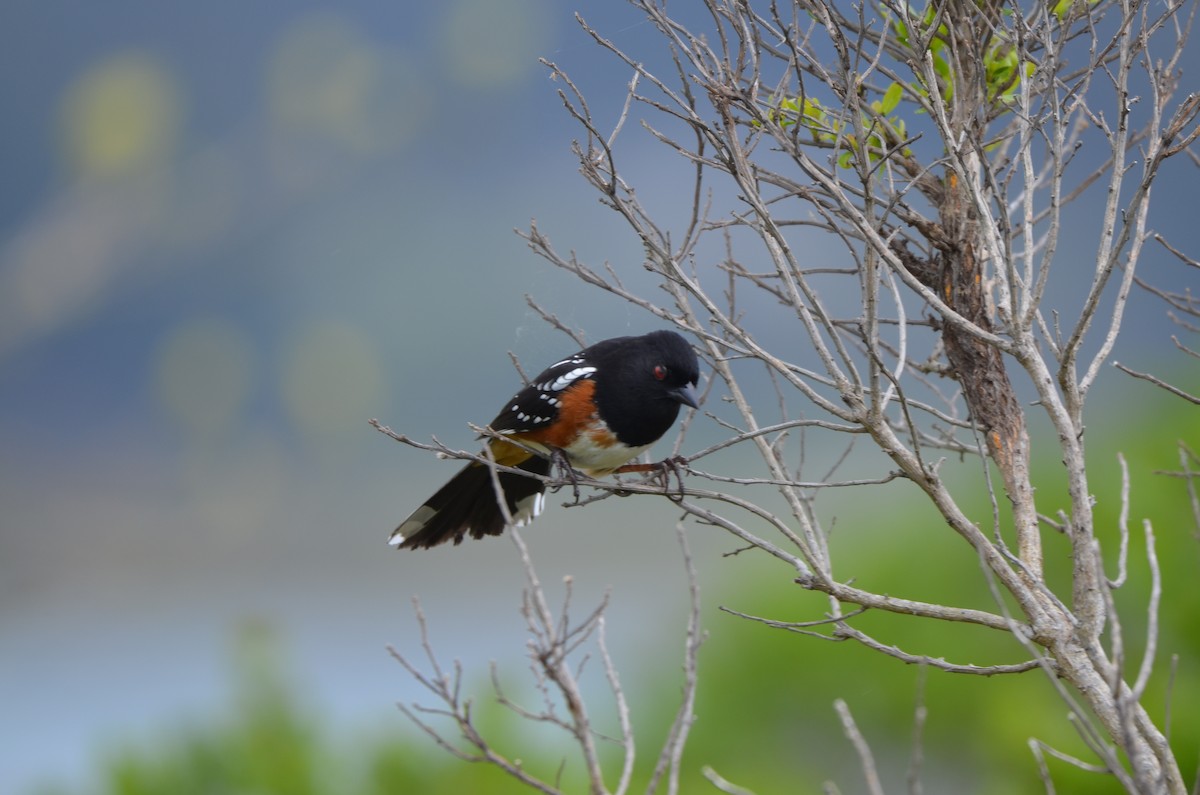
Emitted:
pixel 271 742
pixel 765 717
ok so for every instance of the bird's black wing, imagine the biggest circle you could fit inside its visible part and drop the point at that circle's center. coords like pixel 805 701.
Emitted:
pixel 537 405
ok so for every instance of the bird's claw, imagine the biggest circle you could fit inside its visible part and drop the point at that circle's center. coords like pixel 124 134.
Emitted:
pixel 558 457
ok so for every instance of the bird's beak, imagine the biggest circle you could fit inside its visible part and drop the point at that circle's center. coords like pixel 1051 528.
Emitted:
pixel 684 395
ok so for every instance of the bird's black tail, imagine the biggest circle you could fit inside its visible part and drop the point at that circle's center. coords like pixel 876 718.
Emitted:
pixel 468 504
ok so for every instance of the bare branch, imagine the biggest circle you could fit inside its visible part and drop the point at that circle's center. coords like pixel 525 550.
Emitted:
pixel 865 757
pixel 723 785
pixel 671 758
pixel 1174 390
pixel 917 755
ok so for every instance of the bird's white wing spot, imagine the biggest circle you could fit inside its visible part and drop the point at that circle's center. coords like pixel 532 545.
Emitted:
pixel 576 359
pixel 568 378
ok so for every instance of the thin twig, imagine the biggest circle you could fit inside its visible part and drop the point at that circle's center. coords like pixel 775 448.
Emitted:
pixel 865 758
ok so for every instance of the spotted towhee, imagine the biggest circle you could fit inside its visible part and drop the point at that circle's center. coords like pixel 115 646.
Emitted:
pixel 600 408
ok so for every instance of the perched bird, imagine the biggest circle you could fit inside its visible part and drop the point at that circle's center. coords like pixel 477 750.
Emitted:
pixel 600 407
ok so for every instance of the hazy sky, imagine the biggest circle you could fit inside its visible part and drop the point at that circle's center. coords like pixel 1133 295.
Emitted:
pixel 230 234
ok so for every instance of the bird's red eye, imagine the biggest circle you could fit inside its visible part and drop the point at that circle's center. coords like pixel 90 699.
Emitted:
pixel 660 372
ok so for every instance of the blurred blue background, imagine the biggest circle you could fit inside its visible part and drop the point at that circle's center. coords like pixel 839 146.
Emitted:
pixel 230 234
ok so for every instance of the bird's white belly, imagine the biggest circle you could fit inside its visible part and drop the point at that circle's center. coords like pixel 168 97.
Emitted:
pixel 594 458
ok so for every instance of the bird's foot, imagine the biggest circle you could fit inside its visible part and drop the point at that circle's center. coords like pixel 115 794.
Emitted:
pixel 558 458
pixel 675 465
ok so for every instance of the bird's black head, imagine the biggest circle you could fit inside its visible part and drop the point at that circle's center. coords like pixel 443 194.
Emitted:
pixel 641 383
pixel 675 367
